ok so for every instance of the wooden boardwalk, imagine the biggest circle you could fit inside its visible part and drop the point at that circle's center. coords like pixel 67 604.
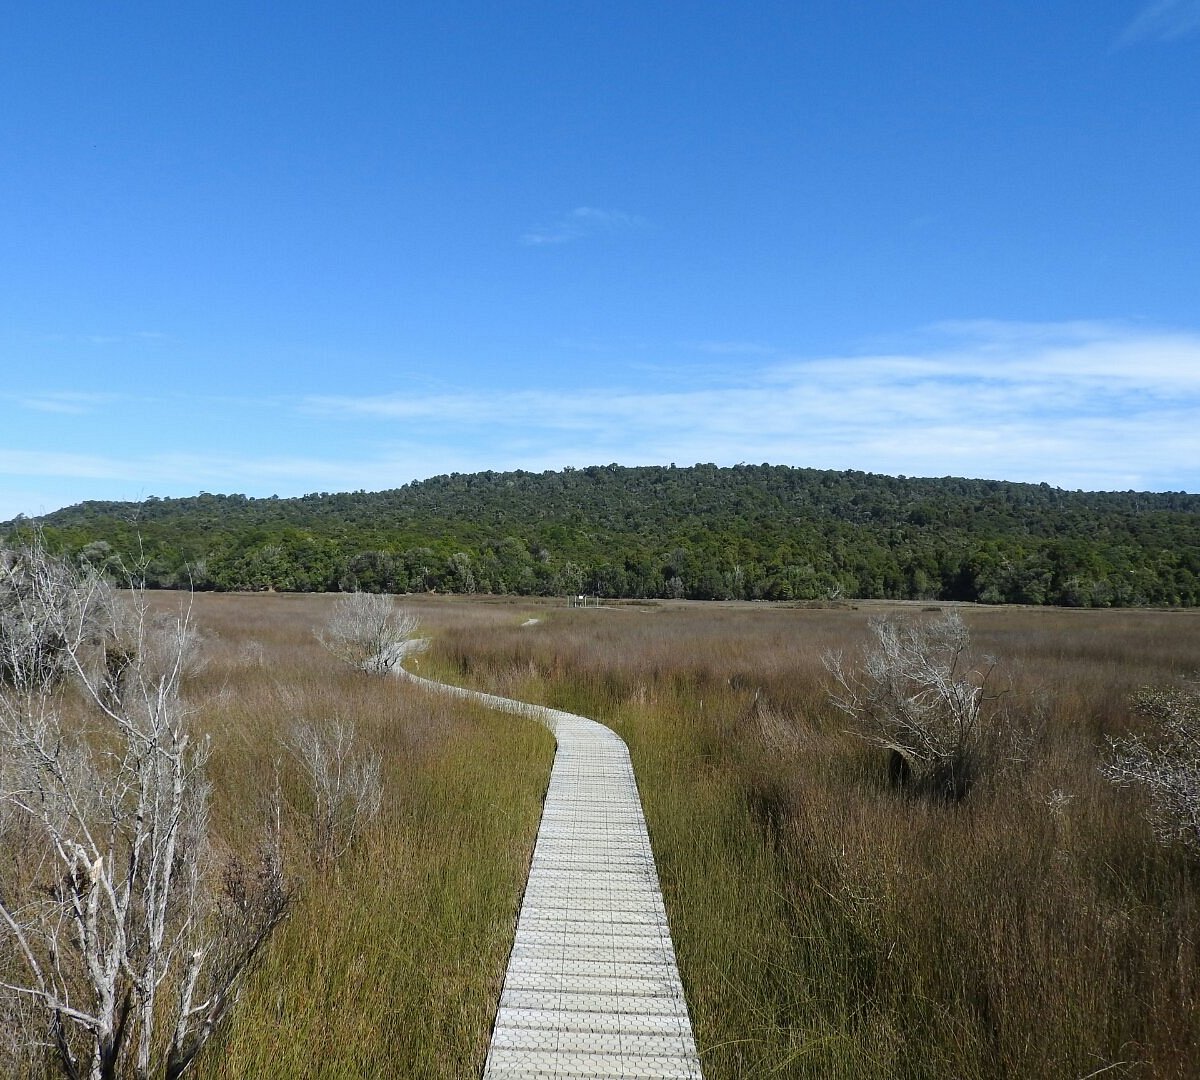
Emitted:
pixel 592 988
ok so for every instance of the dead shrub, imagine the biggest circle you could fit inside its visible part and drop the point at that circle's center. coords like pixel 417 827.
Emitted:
pixel 920 694
pixel 1165 762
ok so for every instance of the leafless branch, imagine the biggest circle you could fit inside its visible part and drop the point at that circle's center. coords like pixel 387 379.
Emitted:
pixel 919 693
pixel 345 784
pixel 368 631
pixel 1166 763
pixel 103 776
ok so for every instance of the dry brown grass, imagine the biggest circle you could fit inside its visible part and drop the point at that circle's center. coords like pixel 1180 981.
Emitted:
pixel 391 960
pixel 828 925
pixel 391 964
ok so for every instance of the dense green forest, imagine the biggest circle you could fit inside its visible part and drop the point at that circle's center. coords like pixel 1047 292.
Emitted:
pixel 746 532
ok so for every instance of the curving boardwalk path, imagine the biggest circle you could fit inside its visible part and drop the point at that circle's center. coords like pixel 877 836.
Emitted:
pixel 592 989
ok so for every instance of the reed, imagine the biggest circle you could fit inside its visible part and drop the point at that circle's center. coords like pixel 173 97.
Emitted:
pixel 829 925
pixel 391 960
pixel 826 923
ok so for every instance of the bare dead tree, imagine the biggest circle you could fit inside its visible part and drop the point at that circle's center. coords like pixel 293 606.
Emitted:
pixel 344 781
pixel 368 631
pixel 1165 762
pixel 35 594
pixel 918 693
pixel 124 944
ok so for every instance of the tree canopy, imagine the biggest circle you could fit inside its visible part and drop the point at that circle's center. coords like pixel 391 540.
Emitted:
pixel 701 532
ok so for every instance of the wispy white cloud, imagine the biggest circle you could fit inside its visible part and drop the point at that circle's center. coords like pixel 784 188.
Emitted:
pixel 582 222
pixel 737 348
pixel 1076 404
pixel 131 337
pixel 68 402
pixel 59 479
pixel 1162 20
pixel 1079 405
pixel 52 463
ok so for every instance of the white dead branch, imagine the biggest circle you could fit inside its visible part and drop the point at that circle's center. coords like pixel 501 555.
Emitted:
pixel 345 783
pixel 918 693
pixel 121 940
pixel 1165 762
pixel 368 631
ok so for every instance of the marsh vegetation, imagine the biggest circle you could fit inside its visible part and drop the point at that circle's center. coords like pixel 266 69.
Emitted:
pixel 391 956
pixel 829 920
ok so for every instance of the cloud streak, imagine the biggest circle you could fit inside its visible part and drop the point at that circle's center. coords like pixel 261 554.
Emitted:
pixel 1162 20
pixel 66 402
pixel 1079 405
pixel 205 471
pixel 579 224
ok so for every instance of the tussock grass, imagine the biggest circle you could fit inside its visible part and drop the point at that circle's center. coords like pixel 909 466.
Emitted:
pixel 392 958
pixel 392 961
pixel 828 925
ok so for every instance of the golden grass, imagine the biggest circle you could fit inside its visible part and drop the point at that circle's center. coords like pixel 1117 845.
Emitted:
pixel 826 925
pixel 391 963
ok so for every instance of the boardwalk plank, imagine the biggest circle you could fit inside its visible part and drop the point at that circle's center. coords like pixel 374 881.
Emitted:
pixel 592 989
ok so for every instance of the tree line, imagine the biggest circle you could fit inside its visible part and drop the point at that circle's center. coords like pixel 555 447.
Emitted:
pixel 700 532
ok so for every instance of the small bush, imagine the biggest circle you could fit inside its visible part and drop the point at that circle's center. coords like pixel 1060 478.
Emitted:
pixel 919 693
pixel 345 785
pixel 368 631
pixel 1166 763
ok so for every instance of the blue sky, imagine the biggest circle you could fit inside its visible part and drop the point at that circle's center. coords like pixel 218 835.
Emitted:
pixel 275 249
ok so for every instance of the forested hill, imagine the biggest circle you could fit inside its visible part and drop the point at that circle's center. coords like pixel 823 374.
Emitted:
pixel 751 531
